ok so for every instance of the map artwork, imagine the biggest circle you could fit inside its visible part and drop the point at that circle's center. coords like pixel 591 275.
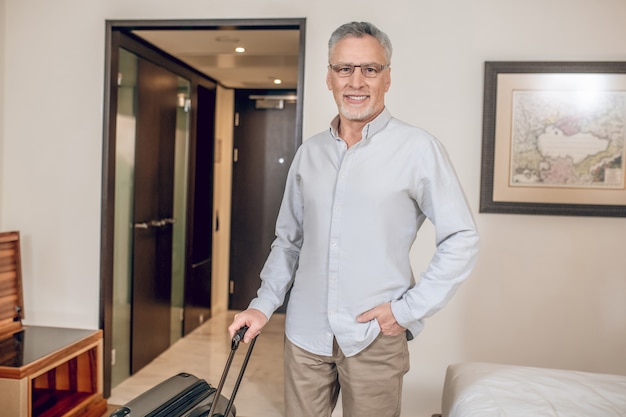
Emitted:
pixel 568 139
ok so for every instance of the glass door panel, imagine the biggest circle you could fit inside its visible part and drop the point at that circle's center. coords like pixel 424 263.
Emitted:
pixel 123 256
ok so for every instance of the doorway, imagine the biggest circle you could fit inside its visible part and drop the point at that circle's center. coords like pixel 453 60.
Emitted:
pixel 194 209
pixel 152 220
pixel 264 125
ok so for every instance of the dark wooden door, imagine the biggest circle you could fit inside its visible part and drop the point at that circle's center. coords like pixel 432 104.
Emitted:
pixel 153 211
pixel 265 144
pixel 198 280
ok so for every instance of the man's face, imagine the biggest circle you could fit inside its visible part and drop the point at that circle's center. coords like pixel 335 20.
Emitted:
pixel 358 98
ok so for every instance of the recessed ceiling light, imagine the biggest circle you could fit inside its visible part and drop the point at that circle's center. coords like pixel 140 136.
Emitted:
pixel 240 49
pixel 278 81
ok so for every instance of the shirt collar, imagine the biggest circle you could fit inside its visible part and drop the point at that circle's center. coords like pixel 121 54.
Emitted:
pixel 369 129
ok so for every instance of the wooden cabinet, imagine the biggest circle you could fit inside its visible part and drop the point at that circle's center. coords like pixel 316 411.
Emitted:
pixel 52 372
pixel 44 371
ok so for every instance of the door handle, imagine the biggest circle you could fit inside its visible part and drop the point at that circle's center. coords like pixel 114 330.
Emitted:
pixel 154 223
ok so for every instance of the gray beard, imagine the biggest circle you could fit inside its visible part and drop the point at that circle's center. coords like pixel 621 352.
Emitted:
pixel 356 116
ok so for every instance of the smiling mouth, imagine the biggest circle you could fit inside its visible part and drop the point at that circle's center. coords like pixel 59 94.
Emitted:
pixel 356 98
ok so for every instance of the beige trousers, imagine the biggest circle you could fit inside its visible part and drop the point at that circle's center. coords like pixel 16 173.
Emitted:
pixel 370 382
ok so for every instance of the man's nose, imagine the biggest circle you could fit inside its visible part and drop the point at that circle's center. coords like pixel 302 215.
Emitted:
pixel 357 78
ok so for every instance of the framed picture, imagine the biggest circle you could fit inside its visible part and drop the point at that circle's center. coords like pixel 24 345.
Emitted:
pixel 554 138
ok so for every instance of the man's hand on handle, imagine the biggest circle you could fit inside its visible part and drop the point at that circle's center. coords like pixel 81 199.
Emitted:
pixel 253 318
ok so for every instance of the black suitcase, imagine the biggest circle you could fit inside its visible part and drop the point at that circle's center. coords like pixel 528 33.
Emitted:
pixel 185 395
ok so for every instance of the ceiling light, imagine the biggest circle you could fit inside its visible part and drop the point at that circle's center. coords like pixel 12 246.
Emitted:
pixel 278 81
pixel 240 49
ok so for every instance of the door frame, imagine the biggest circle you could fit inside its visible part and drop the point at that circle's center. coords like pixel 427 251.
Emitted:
pixel 112 35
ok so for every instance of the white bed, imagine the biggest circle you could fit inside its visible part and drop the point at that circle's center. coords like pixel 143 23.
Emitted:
pixel 492 390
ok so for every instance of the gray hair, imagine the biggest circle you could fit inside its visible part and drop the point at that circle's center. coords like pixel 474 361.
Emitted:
pixel 358 30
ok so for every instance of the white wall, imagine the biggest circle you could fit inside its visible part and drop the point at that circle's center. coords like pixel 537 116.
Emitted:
pixel 547 290
pixel 2 36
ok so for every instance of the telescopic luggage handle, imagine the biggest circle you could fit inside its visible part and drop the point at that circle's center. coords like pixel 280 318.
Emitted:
pixel 237 338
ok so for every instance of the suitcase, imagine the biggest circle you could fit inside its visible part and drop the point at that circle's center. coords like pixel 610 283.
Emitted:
pixel 185 395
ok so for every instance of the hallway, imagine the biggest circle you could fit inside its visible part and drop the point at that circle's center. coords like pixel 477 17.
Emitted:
pixel 204 352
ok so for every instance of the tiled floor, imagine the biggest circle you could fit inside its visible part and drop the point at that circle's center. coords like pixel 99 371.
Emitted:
pixel 204 353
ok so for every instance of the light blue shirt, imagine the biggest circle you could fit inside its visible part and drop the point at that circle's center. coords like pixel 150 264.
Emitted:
pixel 346 225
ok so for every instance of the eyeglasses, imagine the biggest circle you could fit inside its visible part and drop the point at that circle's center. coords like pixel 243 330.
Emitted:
pixel 368 70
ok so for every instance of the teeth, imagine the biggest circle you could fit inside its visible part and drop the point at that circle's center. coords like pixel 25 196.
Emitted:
pixel 357 97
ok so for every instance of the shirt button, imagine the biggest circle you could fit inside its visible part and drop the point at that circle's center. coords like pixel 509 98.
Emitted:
pixel 333 244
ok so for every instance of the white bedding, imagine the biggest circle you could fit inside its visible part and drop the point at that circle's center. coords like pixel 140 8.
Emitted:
pixel 493 390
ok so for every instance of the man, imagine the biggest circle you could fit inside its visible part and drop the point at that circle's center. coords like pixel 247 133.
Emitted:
pixel 355 197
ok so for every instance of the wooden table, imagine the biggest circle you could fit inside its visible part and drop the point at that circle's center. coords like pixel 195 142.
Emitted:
pixel 51 371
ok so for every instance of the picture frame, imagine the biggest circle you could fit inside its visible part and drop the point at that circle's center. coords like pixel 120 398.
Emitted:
pixel 554 137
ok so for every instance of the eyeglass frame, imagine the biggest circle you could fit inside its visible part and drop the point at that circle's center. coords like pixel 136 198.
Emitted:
pixel 379 68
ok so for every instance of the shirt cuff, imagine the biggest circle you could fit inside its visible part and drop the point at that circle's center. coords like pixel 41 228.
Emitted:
pixel 263 307
pixel 402 313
